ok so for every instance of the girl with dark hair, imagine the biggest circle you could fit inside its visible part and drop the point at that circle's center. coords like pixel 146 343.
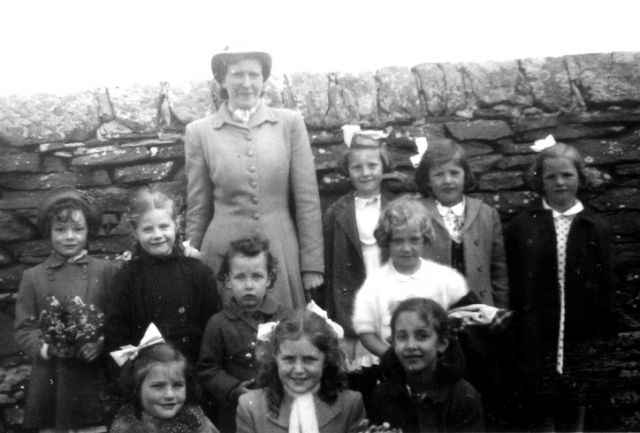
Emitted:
pixel 303 383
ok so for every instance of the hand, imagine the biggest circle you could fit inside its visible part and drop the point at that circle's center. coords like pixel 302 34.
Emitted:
pixel 48 352
pixel 242 388
pixel 365 427
pixel 311 281
pixel 90 351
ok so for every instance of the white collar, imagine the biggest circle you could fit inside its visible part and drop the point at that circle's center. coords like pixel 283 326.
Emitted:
pixel 573 210
pixel 457 209
pixel 404 277
pixel 243 116
pixel 361 202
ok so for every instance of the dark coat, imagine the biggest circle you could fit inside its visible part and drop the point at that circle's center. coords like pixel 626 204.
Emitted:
pixel 63 393
pixel 453 406
pixel 344 266
pixel 176 293
pixel 483 249
pixel 190 419
pixel 227 354
pixel 533 272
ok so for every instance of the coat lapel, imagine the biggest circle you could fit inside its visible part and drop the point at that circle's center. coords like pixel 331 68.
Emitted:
pixel 346 219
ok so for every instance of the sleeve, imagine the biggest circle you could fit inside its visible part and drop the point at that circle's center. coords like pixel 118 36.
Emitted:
pixel 606 283
pixel 328 230
pixel 244 419
pixel 26 329
pixel 211 363
pixel 211 302
pixel 364 309
pixel 513 256
pixel 199 188
pixel 304 187
pixel 457 289
pixel 118 317
pixel 499 275
pixel 467 413
pixel 356 413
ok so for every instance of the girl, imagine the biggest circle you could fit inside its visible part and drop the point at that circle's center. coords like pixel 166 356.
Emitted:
pixel 558 254
pixel 403 233
pixel 351 250
pixel 303 384
pixel 64 393
pixel 468 233
pixel 228 365
pixel 424 391
pixel 161 394
pixel 159 284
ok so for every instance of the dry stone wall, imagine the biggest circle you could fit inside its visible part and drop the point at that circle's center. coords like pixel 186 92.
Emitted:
pixel 111 141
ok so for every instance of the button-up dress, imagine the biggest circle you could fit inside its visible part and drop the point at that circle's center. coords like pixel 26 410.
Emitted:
pixel 257 178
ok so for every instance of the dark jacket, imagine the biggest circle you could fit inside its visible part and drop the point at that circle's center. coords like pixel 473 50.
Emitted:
pixel 530 241
pixel 344 266
pixel 190 419
pixel 227 354
pixel 176 293
pixel 454 406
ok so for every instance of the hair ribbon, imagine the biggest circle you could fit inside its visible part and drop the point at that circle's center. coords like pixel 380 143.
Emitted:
pixel 152 336
pixel 265 330
pixel 422 146
pixel 542 144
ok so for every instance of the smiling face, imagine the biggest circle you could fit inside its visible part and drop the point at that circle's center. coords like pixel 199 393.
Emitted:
pixel 163 391
pixel 560 183
pixel 365 171
pixel 248 280
pixel 244 83
pixel 156 232
pixel 300 365
pixel 406 247
pixel 416 343
pixel 447 183
pixel 69 233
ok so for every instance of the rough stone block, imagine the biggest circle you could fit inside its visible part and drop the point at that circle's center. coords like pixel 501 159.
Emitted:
pixel 136 106
pixel 537 122
pixel 175 151
pixel 113 198
pixel 5 256
pixel 628 170
pixel 112 244
pixel 570 132
pixel 624 222
pixel 476 148
pixel 608 78
pixel 479 130
pixel 499 181
pixel 113 129
pixel 48 181
pixel 308 92
pixel 21 199
pixel 10 277
pixel 617 199
pixel 111 157
pixel 143 173
pixel 482 163
pixel 515 162
pixel 53 164
pixel 14 228
pixel 549 83
pixel 352 98
pixel 508 203
pixel 398 95
pixel 190 101
pixel 334 183
pixel 38 118
pixel 19 162
pixel 327 157
pixel 491 83
pixel 326 138
pixel 442 87
pixel 598 152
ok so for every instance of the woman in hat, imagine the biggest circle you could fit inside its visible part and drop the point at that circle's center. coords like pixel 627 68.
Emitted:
pixel 250 171
pixel 67 379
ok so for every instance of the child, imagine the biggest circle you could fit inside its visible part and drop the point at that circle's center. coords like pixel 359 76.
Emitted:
pixel 468 233
pixel 560 273
pixel 424 391
pixel 161 394
pixel 159 284
pixel 64 393
pixel 227 365
pixel 403 233
pixel 351 250
pixel 304 387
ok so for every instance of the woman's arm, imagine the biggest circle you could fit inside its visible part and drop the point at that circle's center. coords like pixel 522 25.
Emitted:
pixel 199 188
pixel 244 419
pixel 373 343
pixel 499 277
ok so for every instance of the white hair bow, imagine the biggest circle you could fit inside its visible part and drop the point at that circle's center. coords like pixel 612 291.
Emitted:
pixel 266 329
pixel 151 337
pixel 542 144
pixel 422 145
pixel 348 131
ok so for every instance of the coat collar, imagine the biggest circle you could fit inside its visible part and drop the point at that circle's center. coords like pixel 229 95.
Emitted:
pixel 234 312
pixel 324 412
pixel 586 215
pixel 396 383
pixel 55 261
pixel 471 209
pixel 262 114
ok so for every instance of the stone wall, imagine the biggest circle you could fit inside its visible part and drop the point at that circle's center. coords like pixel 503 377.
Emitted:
pixel 113 140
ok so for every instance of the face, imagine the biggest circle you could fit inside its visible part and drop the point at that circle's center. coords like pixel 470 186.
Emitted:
pixel 248 280
pixel 244 83
pixel 70 237
pixel 447 183
pixel 560 183
pixel 156 232
pixel 406 248
pixel 365 172
pixel 416 343
pixel 163 390
pixel 300 365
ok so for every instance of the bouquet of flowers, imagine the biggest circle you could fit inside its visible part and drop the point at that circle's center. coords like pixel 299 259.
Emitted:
pixel 69 324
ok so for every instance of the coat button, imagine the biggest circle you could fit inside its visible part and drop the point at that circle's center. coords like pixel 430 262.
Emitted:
pixel 248 137
pixel 185 339
pixel 181 310
pixel 256 216
pixel 252 168
pixel 253 184
pixel 250 153
pixel 254 199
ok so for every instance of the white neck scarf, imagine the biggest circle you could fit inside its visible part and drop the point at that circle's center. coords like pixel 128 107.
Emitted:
pixel 243 116
pixel 303 417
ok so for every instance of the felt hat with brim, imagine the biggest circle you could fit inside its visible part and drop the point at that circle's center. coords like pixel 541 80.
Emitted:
pixel 221 61
pixel 85 200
